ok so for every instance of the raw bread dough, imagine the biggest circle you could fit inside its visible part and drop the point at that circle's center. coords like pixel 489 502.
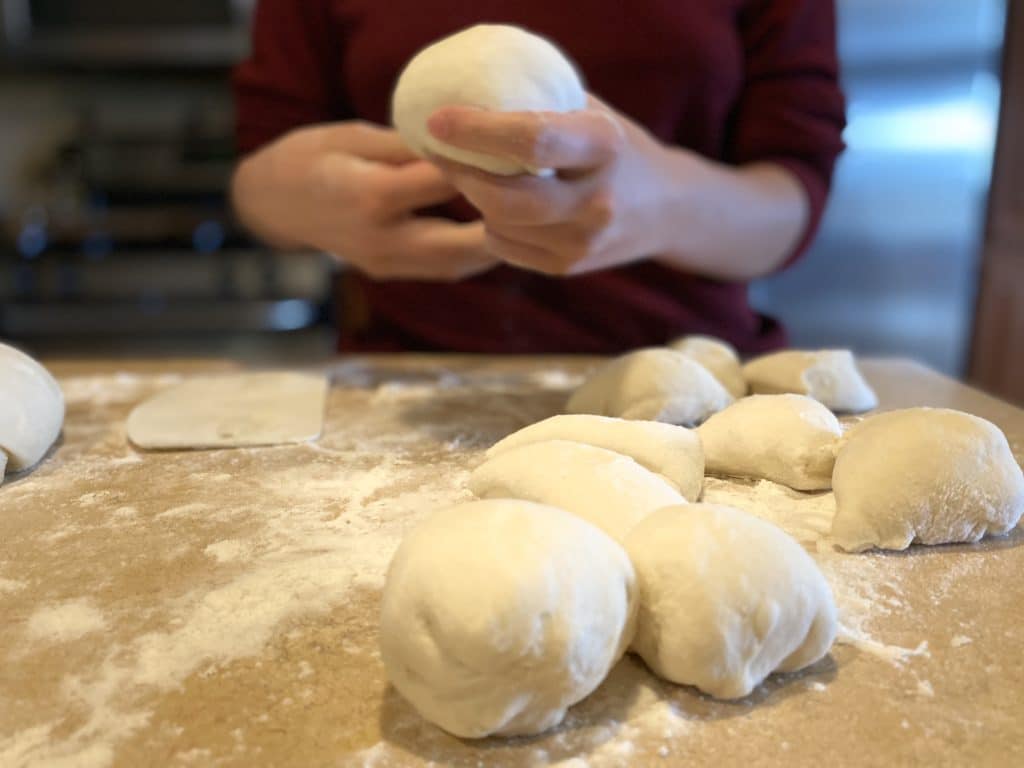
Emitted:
pixel 31 410
pixel 789 439
pixel 726 599
pixel 830 376
pixel 718 357
pixel 230 411
pixel 673 452
pixel 926 475
pixel 652 384
pixel 498 615
pixel 493 66
pixel 604 488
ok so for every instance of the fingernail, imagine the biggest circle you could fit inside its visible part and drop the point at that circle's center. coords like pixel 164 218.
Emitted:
pixel 440 125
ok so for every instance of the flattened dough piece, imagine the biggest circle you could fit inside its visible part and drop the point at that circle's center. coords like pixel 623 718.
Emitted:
pixel 31 410
pixel 718 357
pixel 232 411
pixel 726 599
pixel 651 384
pixel 673 452
pixel 789 439
pixel 830 376
pixel 604 488
pixel 926 475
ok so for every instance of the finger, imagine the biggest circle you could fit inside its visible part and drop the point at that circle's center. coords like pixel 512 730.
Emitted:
pixel 585 138
pixel 368 141
pixel 413 186
pixel 522 254
pixel 518 200
pixel 438 249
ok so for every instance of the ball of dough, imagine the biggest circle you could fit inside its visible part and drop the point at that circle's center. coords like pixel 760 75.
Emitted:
pixel 604 488
pixel 789 439
pixel 498 615
pixel 830 376
pixel 673 452
pixel 651 384
pixel 926 475
pixel 726 599
pixel 493 66
pixel 719 358
pixel 31 409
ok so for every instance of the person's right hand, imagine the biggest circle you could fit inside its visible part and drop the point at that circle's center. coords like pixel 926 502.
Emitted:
pixel 350 189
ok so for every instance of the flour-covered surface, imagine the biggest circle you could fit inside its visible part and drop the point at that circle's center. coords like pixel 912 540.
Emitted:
pixel 219 607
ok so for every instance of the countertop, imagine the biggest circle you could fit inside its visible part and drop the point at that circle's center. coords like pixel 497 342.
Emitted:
pixel 219 607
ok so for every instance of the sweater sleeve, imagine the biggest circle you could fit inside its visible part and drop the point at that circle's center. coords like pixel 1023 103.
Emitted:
pixel 791 110
pixel 292 75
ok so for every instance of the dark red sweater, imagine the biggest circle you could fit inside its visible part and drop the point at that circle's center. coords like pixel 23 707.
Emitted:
pixel 735 80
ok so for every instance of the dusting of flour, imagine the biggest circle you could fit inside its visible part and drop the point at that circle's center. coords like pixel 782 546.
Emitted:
pixel 304 536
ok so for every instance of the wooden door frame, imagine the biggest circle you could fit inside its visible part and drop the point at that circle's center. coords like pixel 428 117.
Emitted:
pixel 997 350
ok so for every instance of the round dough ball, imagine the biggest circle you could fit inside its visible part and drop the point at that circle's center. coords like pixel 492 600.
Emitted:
pixel 499 615
pixel 31 409
pixel 926 475
pixel 726 599
pixel 493 66
pixel 654 385
pixel 719 358
pixel 604 488
pixel 789 439
pixel 830 376
pixel 673 452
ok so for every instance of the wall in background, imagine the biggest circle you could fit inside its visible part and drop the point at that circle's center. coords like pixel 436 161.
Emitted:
pixel 895 267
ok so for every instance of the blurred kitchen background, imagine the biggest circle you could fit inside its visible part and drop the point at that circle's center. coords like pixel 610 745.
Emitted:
pixel 115 148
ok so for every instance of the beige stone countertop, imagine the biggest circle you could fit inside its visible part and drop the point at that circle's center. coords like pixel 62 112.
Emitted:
pixel 219 608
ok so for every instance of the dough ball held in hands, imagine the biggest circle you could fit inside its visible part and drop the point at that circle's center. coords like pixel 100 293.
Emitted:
pixel 726 599
pixel 31 410
pixel 673 452
pixel 492 66
pixel 926 475
pixel 654 385
pixel 604 488
pixel 499 615
pixel 788 439
pixel 830 376
pixel 719 358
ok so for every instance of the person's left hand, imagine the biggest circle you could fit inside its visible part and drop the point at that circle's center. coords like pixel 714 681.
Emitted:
pixel 600 209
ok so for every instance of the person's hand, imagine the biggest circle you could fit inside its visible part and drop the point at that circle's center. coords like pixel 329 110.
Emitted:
pixel 351 189
pixel 603 207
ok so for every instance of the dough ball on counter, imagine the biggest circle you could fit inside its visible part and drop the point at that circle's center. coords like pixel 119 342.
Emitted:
pixel 492 66
pixel 602 487
pixel 31 410
pixel 726 599
pixel 651 384
pixel 719 358
pixel 830 376
pixel 673 452
pixel 499 615
pixel 925 475
pixel 789 439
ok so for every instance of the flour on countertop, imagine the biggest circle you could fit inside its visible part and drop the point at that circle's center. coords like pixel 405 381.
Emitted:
pixel 306 536
pixel 11 585
pixel 64 621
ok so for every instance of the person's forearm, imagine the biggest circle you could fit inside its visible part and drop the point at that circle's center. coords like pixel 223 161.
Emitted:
pixel 730 223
